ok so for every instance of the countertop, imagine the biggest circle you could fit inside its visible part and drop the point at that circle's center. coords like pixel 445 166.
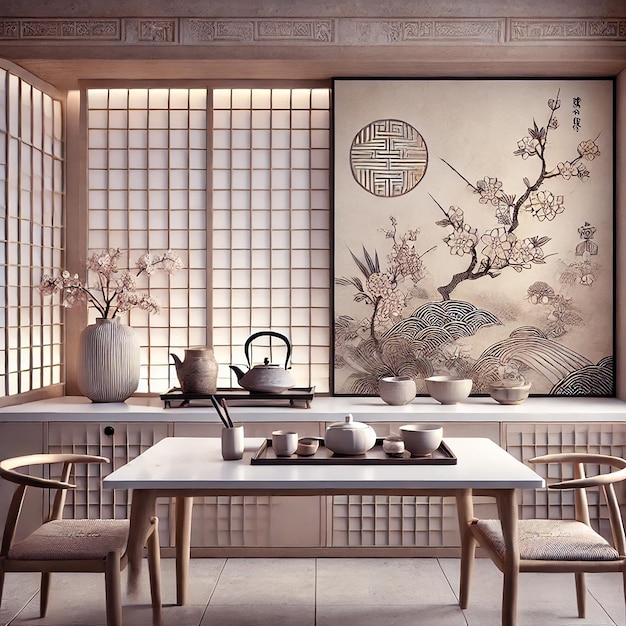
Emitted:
pixel 324 409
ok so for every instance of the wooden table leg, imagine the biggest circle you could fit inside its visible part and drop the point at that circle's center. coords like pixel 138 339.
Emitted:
pixel 142 509
pixel 507 510
pixel 184 506
pixel 465 513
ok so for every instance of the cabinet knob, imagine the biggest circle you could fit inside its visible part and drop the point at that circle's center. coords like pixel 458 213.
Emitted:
pixel 109 430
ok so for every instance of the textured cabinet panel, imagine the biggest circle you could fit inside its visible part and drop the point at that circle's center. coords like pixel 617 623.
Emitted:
pixel 525 441
pixel 255 521
pixel 17 439
pixel 406 521
pixel 118 442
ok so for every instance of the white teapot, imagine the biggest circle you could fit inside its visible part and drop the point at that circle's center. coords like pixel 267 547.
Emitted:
pixel 349 437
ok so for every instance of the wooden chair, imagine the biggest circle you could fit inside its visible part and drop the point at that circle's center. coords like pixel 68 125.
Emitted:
pixel 69 545
pixel 547 545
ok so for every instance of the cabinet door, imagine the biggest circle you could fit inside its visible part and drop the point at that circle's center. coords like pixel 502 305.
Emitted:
pixel 524 441
pixel 406 521
pixel 118 442
pixel 256 521
pixel 17 439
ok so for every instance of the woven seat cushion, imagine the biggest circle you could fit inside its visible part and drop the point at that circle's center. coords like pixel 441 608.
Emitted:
pixel 72 539
pixel 552 540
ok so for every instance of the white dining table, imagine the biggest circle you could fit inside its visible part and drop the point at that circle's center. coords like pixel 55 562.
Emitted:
pixel 184 467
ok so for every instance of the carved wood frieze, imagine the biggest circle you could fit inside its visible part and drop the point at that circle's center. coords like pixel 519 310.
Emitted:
pixel 61 29
pixel 563 30
pixel 316 31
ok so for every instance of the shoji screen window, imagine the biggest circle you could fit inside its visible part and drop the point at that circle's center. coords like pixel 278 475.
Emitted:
pixel 148 192
pixel 270 227
pixel 31 234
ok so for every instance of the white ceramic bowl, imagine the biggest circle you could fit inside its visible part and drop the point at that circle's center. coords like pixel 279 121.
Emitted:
pixel 509 393
pixel 448 389
pixel 421 439
pixel 397 390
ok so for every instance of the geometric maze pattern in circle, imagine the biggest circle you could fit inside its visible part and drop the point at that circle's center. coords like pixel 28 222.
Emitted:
pixel 388 158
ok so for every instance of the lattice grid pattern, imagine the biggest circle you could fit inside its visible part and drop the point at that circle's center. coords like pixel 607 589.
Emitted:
pixel 31 235
pixel 91 500
pixel 231 521
pixel 371 521
pixel 147 152
pixel 249 215
pixel 271 223
pixel 525 441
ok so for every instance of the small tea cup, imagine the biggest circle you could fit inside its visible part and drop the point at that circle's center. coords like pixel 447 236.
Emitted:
pixel 284 442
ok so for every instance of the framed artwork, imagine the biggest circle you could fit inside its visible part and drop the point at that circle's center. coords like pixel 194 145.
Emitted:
pixel 473 233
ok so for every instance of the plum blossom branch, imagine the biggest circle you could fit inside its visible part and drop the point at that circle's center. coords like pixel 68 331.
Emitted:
pixel 502 248
pixel 110 294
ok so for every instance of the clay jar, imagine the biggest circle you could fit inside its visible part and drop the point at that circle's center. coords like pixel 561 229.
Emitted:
pixel 397 390
pixel 197 374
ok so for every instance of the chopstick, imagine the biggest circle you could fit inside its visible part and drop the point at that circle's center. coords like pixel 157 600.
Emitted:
pixel 230 422
pixel 226 421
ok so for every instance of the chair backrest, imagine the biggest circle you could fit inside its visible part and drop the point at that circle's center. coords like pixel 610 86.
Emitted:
pixel 581 482
pixel 59 486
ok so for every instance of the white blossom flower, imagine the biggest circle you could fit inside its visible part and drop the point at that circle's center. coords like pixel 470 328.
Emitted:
pixel 110 294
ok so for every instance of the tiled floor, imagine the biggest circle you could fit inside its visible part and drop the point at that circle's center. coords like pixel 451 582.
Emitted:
pixel 321 592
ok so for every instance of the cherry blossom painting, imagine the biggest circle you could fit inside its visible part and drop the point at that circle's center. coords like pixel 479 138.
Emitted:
pixel 473 233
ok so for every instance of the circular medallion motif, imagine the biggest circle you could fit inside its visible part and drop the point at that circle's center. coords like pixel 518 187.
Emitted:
pixel 388 158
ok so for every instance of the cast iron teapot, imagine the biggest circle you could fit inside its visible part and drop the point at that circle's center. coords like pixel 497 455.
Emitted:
pixel 268 378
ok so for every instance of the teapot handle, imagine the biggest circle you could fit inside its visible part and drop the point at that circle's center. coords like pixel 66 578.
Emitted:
pixel 271 333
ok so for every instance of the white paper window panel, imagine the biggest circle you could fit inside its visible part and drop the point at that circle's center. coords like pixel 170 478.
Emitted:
pixel 281 119
pixel 320 159
pixel 198 139
pixel 241 159
pixel 197 259
pixel 301 158
pixel 300 179
pixel 320 180
pixel 320 139
pixel 281 240
pixel 179 139
pixel 117 139
pixel 158 119
pixel 261 216
pixel 299 120
pixel 154 139
pixel 137 160
pixel 137 139
pixel 240 179
pixel 261 119
pixel 197 240
pixel 221 139
pixel 261 159
pixel 241 98
pixel 179 120
pixel 280 199
pixel 197 180
pixel 281 162
pixel 240 318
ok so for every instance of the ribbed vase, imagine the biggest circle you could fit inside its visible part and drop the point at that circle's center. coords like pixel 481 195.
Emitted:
pixel 108 361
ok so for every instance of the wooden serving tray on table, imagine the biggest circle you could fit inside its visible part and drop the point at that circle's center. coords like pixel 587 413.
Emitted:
pixel 291 396
pixel 443 455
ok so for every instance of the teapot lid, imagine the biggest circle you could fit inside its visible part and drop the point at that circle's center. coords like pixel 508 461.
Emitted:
pixel 266 365
pixel 349 424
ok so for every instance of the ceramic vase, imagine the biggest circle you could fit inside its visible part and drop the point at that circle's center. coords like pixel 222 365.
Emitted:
pixel 197 374
pixel 108 361
pixel 397 390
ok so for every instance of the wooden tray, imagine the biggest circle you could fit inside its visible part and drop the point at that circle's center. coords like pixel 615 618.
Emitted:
pixel 265 456
pixel 291 396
